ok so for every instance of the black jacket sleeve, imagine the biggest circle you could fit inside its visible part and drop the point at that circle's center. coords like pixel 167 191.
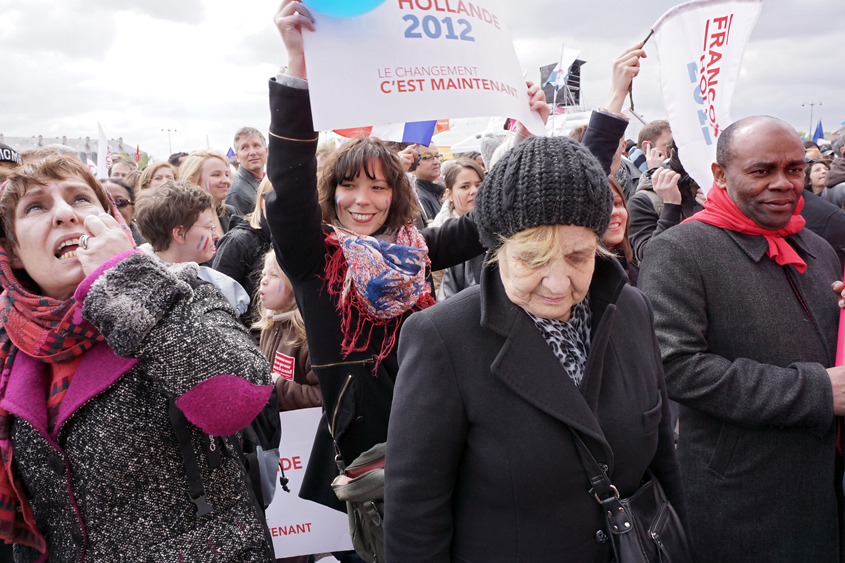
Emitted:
pixel 644 222
pixel 453 242
pixel 603 135
pixel 425 442
pixel 293 210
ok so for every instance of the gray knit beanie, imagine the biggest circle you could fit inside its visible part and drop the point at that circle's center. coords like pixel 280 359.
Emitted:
pixel 543 181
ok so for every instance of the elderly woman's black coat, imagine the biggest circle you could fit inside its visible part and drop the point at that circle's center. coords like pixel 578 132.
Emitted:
pixel 481 465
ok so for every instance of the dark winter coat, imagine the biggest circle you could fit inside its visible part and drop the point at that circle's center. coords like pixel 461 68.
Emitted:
pixel 481 465
pixel 111 483
pixel 242 193
pixel 827 221
pixel 745 343
pixel 429 194
pixel 356 401
pixel 298 388
pixel 240 255
pixel 645 222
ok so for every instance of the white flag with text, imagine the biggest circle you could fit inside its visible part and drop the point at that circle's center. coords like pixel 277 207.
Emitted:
pixel 700 46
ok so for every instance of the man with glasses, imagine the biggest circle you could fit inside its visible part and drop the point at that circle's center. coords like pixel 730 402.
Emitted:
pixel 427 172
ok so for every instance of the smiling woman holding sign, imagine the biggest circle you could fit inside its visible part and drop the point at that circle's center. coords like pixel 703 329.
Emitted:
pixel 357 264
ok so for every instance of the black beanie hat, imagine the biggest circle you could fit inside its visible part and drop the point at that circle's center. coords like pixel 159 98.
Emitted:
pixel 543 181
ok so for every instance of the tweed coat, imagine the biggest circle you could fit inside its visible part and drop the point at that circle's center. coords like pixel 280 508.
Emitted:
pixel 481 465
pixel 745 343
pixel 110 483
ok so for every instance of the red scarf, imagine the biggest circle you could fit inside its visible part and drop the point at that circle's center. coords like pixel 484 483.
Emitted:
pixel 720 211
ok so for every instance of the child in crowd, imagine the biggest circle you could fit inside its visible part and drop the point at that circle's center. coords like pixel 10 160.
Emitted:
pixel 283 340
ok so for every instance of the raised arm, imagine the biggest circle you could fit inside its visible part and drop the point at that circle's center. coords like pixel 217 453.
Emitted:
pixel 293 210
pixel 608 124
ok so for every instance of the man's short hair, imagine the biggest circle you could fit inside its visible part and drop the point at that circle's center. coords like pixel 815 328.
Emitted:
pixel 249 132
pixel 173 204
pixel 175 157
pixel 652 131
pixel 837 142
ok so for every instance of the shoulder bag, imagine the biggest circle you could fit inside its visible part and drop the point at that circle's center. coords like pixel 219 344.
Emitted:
pixel 644 528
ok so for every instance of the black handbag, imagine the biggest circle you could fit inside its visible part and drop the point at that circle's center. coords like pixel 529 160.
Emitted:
pixel 644 528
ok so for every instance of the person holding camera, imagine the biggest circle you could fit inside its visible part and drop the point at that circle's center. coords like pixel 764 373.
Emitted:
pixel 666 195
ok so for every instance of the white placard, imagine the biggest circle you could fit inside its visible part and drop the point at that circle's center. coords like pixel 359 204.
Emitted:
pixel 299 526
pixel 415 60
pixel 700 46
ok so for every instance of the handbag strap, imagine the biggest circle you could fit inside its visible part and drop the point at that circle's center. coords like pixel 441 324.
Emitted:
pixel 603 490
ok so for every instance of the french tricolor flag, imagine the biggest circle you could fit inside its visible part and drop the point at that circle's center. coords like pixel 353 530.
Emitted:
pixel 419 132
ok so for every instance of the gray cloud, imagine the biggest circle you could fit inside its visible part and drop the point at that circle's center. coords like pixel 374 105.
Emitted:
pixel 59 85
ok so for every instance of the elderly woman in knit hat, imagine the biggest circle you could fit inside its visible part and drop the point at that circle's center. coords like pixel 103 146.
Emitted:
pixel 498 386
pixel 120 378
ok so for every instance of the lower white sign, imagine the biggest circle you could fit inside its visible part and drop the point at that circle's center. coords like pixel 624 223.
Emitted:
pixel 299 526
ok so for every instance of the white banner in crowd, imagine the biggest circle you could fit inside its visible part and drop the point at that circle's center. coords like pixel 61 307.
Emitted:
pixel 700 46
pixel 415 60
pixel 104 159
pixel 298 526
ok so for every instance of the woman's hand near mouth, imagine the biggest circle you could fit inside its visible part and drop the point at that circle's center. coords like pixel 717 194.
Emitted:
pixel 106 239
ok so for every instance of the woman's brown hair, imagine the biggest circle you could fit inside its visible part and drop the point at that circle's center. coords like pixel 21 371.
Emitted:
pixel 147 174
pixel 56 167
pixel 348 161
pixel 461 164
pixel 625 245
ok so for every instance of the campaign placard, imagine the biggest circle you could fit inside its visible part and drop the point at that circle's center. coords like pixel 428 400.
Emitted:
pixel 298 526
pixel 415 60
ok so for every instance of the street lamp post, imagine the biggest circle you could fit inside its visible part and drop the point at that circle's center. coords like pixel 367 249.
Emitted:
pixel 811 104
pixel 169 146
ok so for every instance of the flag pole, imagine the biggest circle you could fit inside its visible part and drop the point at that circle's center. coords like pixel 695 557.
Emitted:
pixel 631 84
pixel 554 97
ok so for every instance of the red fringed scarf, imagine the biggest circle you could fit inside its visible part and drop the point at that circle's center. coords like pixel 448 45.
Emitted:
pixel 349 296
pixel 720 211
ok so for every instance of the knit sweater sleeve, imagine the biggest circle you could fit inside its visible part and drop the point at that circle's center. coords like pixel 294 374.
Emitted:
pixel 184 334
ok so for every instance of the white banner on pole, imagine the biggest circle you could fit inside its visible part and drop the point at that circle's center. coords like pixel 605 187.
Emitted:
pixel 104 159
pixel 299 526
pixel 700 46
pixel 415 60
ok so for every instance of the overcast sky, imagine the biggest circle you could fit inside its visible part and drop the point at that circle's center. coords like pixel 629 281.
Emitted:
pixel 200 66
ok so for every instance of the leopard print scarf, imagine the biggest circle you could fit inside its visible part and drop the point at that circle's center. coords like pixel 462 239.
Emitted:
pixel 569 340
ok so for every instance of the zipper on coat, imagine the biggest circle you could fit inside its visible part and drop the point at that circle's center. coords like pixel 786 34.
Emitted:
pixel 337 404
pixel 655 530
pixel 347 363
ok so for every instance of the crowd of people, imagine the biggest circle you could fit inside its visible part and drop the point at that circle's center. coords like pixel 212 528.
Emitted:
pixel 514 344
